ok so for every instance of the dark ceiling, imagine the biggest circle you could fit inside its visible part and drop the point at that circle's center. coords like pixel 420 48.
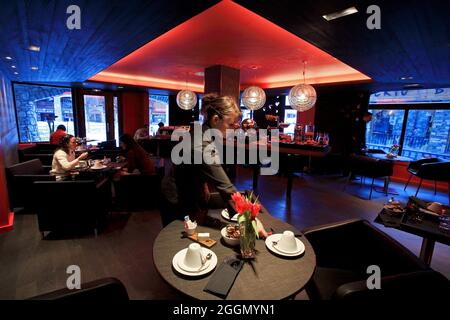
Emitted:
pixel 414 40
pixel 109 31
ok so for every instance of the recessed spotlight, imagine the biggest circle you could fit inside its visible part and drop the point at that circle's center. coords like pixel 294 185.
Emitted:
pixel 13 67
pixel 413 85
pixel 8 58
pixel 340 14
pixel 34 68
pixel 16 72
pixel 406 78
pixel 34 48
pixel 96 90
pixel 119 87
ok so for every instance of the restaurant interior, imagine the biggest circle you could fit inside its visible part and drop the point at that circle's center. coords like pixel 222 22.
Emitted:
pixel 351 201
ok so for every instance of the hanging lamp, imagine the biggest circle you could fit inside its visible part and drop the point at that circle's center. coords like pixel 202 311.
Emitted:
pixel 302 97
pixel 186 99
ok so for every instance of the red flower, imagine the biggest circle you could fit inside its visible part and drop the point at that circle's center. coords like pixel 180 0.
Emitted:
pixel 236 197
pixel 255 209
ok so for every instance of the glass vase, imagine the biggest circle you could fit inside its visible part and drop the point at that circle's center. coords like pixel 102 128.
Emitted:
pixel 247 240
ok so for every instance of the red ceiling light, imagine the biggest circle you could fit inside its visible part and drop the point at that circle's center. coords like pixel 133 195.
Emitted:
pixel 261 43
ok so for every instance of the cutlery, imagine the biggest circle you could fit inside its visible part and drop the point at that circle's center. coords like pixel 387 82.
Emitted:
pixel 205 258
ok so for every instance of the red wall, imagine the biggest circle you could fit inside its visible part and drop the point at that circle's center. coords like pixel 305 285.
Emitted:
pixel 306 117
pixel 8 148
pixel 135 112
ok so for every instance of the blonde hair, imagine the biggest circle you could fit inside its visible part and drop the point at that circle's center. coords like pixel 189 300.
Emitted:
pixel 213 104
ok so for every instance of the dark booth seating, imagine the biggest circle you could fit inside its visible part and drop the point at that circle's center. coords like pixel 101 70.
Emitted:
pixel 430 169
pixel 71 205
pixel 138 192
pixel 41 151
pixel 369 167
pixel 20 178
pixel 107 289
pixel 345 250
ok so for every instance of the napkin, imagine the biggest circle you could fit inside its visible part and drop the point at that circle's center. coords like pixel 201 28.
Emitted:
pixel 222 280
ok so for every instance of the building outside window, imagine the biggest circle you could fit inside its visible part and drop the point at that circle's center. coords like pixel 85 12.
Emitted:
pixel 158 112
pixel 40 109
pixel 418 120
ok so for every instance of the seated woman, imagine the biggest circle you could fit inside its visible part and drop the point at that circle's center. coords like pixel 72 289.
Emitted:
pixel 138 160
pixel 64 158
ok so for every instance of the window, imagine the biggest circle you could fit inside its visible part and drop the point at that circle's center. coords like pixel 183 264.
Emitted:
pixel 159 112
pixel 116 120
pixel 40 109
pixel 290 117
pixel 427 134
pixel 94 111
pixel 385 128
pixel 422 114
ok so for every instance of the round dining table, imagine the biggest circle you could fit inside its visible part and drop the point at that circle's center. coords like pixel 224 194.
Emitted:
pixel 267 277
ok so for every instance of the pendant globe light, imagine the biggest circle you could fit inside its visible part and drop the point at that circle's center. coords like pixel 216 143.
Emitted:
pixel 253 98
pixel 302 97
pixel 186 99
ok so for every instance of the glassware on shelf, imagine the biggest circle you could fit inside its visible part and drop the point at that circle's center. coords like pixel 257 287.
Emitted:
pixel 309 132
pixel 326 138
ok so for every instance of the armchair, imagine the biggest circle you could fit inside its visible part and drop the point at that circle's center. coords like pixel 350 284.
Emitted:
pixel 369 167
pixel 20 178
pixel 429 169
pixel 108 289
pixel 71 205
pixel 345 249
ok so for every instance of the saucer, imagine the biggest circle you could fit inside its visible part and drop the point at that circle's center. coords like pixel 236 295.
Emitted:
pixel 193 270
pixel 178 258
pixel 226 215
pixel 99 168
pixel 276 237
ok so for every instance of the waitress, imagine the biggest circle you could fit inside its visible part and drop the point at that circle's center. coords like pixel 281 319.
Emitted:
pixel 220 113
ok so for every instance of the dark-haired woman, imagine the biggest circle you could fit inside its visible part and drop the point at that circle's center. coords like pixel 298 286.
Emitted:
pixel 138 160
pixel 64 158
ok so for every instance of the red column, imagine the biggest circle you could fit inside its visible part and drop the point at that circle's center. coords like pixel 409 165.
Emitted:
pixel 222 80
pixel 6 217
pixel 135 112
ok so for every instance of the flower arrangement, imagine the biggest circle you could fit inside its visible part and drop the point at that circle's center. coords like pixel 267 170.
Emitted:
pixel 394 150
pixel 247 213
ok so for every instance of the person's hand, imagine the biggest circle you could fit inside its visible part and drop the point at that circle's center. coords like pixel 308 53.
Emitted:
pixel 84 155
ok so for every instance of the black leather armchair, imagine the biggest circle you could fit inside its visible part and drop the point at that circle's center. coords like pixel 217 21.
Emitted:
pixel 71 205
pixel 369 167
pixel 41 151
pixel 429 169
pixel 138 192
pixel 107 289
pixel 345 250
pixel 20 178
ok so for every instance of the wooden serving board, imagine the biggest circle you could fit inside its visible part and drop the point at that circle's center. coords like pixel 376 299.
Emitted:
pixel 207 242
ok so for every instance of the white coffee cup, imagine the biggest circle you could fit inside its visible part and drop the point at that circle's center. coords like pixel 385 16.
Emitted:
pixel 435 207
pixel 287 242
pixel 97 163
pixel 193 258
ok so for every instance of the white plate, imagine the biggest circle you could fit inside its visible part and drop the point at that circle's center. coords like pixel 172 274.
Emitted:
pixel 276 237
pixel 178 259
pixel 99 168
pixel 226 215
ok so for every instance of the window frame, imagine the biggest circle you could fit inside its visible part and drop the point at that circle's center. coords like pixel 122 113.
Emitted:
pixel 407 108
pixel 13 83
